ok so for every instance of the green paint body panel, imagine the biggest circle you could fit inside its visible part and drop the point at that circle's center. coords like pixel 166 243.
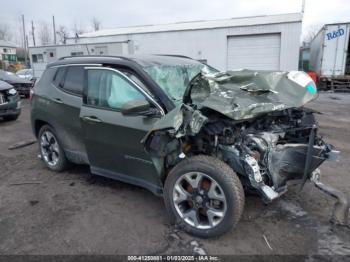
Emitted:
pixel 246 94
pixel 113 145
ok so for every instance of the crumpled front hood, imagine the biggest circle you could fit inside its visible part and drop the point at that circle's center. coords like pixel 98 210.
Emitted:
pixel 245 94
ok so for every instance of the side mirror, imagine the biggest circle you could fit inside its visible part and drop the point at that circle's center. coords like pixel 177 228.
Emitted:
pixel 136 108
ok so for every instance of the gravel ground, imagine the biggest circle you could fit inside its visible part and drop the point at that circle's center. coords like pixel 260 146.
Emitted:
pixel 42 212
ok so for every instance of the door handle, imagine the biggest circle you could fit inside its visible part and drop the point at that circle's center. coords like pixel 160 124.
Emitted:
pixel 58 100
pixel 92 119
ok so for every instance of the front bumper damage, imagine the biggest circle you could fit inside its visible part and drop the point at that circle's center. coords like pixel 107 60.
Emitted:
pixel 282 163
pixel 264 164
pixel 10 105
pixel 289 162
pixel 255 122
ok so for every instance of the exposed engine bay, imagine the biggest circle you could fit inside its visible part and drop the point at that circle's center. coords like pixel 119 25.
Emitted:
pixel 266 152
pixel 256 122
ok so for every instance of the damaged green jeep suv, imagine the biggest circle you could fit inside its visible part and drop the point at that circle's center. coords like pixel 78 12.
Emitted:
pixel 181 129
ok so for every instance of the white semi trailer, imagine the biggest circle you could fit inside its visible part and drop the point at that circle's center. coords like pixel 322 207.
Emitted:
pixel 330 56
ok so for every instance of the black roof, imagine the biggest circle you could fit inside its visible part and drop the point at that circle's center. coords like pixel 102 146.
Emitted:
pixel 141 60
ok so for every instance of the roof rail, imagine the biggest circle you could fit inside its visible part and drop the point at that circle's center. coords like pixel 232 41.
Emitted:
pixel 180 56
pixel 120 57
pixel 93 56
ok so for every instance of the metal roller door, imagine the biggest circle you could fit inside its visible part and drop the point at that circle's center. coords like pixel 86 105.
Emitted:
pixel 259 52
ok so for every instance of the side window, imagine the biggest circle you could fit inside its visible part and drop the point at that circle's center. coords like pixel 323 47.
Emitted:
pixel 74 80
pixel 37 58
pixel 59 77
pixel 136 79
pixel 109 89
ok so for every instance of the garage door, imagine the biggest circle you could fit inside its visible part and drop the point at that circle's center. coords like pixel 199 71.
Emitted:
pixel 260 52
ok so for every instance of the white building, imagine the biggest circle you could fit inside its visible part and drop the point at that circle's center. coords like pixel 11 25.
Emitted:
pixel 7 52
pixel 260 42
pixel 40 56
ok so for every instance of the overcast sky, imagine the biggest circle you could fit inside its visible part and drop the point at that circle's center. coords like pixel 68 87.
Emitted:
pixel 115 13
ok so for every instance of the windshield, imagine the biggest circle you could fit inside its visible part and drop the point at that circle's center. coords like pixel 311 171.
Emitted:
pixel 174 79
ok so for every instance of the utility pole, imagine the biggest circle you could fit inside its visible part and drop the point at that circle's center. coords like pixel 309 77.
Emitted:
pixel 54 29
pixel 24 41
pixel 33 33
pixel 27 42
pixel 302 6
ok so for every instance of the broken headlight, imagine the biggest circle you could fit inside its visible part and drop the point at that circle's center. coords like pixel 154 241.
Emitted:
pixel 12 91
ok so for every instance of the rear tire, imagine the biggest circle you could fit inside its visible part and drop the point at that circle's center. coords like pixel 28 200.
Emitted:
pixel 217 183
pixel 51 151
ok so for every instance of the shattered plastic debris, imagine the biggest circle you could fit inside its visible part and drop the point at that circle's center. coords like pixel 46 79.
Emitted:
pixel 197 250
pixel 267 242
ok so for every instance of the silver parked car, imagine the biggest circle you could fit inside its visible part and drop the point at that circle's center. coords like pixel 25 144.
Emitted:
pixel 26 74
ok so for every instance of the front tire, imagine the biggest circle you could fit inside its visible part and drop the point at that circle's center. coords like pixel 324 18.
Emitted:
pixel 51 150
pixel 204 196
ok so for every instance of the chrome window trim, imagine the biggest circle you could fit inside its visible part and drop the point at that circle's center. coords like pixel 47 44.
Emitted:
pixel 133 83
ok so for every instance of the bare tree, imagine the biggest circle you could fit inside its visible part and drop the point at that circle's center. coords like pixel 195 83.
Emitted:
pixel 78 29
pixel 95 23
pixel 63 34
pixel 310 32
pixel 5 33
pixel 44 33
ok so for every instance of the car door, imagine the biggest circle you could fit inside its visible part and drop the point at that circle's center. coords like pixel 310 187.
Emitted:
pixel 112 139
pixel 66 100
